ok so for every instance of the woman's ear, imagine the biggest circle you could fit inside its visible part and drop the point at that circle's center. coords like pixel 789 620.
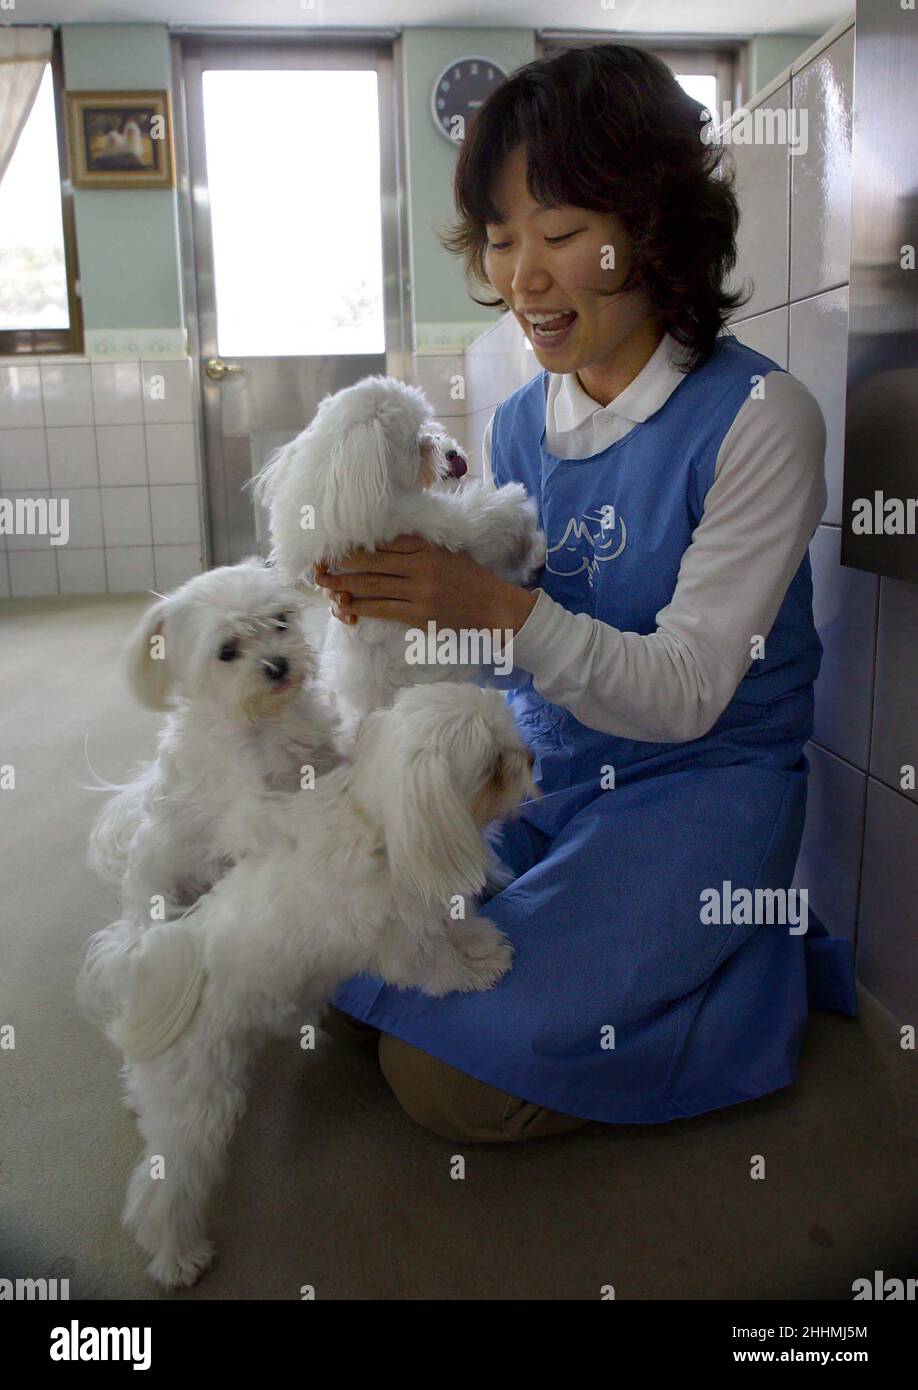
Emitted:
pixel 431 838
pixel 357 483
pixel 150 672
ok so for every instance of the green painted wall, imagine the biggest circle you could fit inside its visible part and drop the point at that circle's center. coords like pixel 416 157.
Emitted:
pixel 128 241
pixel 445 316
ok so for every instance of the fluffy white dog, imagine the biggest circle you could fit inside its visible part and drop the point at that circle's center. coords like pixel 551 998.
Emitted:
pixel 360 873
pixel 369 467
pixel 227 655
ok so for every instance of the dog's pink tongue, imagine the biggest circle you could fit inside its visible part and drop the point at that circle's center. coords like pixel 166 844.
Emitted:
pixel 458 465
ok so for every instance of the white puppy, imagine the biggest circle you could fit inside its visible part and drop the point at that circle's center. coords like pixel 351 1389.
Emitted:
pixel 227 654
pixel 363 873
pixel 368 468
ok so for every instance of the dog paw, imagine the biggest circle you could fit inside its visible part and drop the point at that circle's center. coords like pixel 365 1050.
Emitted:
pixel 483 954
pixel 179 1269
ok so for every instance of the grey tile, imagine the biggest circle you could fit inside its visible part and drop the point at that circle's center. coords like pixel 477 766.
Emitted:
pixel 20 397
pixel 819 358
pixel 32 522
pixel 33 573
pixel 475 429
pixel 85 518
pixel 763 189
pixel 130 569
pixel 167 391
pixel 844 607
pixel 821 176
pixel 441 376
pixel 67 393
pixel 171 453
pixel 176 519
pixel 72 460
pixel 116 391
pixel 23 459
pixel 491 378
pixel 175 564
pixel 126 516
pixel 830 856
pixel 887 940
pixel 82 571
pixel 765 333
pixel 122 455
pixel 894 746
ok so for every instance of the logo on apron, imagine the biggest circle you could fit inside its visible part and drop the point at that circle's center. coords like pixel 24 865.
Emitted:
pixel 588 542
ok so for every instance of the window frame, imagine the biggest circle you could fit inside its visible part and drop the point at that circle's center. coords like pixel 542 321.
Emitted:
pixel 726 57
pixel 41 342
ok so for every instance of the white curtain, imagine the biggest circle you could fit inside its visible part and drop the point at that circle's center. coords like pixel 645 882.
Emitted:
pixel 23 55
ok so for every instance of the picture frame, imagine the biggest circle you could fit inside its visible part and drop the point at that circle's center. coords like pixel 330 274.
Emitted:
pixel 120 139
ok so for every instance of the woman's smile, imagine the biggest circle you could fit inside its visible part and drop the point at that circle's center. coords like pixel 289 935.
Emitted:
pixel 548 327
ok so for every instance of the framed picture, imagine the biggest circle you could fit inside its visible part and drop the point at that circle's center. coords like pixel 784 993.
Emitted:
pixel 120 139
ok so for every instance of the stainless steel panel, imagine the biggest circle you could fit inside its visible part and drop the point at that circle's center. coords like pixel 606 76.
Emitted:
pixel 881 423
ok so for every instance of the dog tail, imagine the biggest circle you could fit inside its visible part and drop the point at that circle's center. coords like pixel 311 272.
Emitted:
pixel 101 784
pixel 166 987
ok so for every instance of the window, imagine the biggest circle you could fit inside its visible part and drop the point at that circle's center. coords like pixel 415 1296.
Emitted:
pixel 39 312
pixel 296 216
pixel 710 75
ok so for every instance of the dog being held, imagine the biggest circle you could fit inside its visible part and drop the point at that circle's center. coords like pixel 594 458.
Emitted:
pixel 369 467
pixel 227 655
pixel 359 874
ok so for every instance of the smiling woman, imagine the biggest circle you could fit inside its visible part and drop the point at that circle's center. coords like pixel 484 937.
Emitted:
pixel 596 163
pixel 664 671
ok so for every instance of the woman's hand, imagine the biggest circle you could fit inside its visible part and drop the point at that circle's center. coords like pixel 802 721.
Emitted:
pixel 414 582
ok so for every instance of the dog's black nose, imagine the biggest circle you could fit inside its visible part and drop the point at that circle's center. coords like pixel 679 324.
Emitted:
pixel 277 668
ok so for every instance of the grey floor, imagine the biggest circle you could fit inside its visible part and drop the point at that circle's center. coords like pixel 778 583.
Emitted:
pixel 331 1185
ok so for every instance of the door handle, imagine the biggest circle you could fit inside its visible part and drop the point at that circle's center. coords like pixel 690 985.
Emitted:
pixel 217 369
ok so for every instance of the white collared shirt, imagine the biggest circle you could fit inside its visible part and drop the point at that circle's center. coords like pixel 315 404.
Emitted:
pixel 767 499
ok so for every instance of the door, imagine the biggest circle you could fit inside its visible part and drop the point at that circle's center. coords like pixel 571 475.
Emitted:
pixel 297 282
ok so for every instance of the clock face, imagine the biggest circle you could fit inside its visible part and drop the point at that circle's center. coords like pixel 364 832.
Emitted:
pixel 459 91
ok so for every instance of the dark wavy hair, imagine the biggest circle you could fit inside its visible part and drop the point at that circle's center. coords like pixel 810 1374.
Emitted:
pixel 608 127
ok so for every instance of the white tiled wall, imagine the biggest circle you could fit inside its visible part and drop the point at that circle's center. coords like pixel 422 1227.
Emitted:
pixel 118 441
pixel 860 848
pixel 861 841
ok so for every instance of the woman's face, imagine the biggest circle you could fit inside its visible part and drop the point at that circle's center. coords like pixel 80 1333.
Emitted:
pixel 558 261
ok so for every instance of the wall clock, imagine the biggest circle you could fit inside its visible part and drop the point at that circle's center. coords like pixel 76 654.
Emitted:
pixel 459 91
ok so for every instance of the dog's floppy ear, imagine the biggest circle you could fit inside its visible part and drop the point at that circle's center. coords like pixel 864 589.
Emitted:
pixel 358 481
pixel 149 670
pixel 431 838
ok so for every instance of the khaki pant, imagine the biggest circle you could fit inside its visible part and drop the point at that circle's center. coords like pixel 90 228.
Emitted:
pixel 445 1100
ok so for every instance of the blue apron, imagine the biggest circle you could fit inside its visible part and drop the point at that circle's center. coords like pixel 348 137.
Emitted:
pixel 626 1002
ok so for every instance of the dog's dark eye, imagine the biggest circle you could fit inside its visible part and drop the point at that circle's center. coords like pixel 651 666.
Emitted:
pixel 230 650
pixel 281 619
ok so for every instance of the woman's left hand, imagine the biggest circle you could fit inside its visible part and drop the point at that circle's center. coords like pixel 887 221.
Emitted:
pixel 414 582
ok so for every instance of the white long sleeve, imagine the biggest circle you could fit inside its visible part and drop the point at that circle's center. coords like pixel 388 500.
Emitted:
pixel 759 514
